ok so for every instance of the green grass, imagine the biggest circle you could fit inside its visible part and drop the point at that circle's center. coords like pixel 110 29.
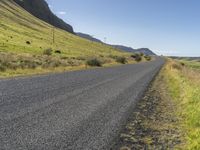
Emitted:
pixel 184 86
pixel 23 35
pixel 193 64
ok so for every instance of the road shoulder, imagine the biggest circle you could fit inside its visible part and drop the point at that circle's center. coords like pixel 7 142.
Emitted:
pixel 153 124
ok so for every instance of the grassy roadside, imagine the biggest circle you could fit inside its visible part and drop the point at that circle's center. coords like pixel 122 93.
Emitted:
pixel 154 123
pixel 183 83
pixel 12 64
pixel 168 117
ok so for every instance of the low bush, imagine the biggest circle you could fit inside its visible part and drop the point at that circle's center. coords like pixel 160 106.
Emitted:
pixel 121 60
pixel 141 54
pixel 176 66
pixel 94 62
pixel 133 56
pixel 182 64
pixel 113 56
pixel 47 52
pixel 2 68
pixel 137 57
pixel 81 58
pixel 148 58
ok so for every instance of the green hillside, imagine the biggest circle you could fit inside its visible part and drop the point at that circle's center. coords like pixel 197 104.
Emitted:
pixel 17 26
pixel 24 40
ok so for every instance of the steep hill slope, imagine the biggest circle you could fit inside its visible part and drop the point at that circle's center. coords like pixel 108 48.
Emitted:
pixel 40 9
pixel 24 33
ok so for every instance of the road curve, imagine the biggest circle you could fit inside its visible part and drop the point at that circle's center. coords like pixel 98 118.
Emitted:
pixel 76 110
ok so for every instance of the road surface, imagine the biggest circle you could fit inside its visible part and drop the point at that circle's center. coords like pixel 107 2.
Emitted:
pixel 76 110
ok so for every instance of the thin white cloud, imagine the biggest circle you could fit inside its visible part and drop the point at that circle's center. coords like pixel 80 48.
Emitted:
pixel 50 6
pixel 61 13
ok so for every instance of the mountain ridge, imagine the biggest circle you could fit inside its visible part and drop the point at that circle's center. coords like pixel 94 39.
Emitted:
pixel 146 51
pixel 41 10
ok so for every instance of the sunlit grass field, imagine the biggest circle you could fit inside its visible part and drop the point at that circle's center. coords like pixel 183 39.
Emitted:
pixel 183 82
pixel 195 64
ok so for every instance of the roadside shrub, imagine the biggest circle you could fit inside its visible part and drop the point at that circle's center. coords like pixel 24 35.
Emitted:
pixel 94 62
pixel 137 57
pixel 13 66
pixel 28 64
pixel 2 68
pixel 113 56
pixel 81 58
pixel 133 56
pixel 121 60
pixel 32 65
pixel 64 57
pixel 70 62
pixel 182 64
pixel 176 66
pixel 54 64
pixel 141 54
pixel 101 55
pixel 148 58
pixel 47 52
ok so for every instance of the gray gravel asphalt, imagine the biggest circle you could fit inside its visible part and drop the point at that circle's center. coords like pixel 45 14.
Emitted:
pixel 76 110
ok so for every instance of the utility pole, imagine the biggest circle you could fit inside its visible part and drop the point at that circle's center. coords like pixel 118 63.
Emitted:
pixel 105 40
pixel 51 19
pixel 53 30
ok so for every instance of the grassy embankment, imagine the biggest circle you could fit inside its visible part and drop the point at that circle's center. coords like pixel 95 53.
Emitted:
pixel 183 81
pixel 27 47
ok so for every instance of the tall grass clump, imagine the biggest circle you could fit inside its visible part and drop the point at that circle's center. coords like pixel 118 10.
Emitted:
pixel 148 58
pixel 121 60
pixel 137 57
pixel 48 52
pixel 94 62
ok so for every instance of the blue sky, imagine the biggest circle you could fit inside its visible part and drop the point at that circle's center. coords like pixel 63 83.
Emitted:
pixel 169 27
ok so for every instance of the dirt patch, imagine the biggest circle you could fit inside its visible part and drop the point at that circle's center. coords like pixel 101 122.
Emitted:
pixel 154 124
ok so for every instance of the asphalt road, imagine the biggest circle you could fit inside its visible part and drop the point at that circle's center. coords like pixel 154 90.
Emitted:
pixel 77 110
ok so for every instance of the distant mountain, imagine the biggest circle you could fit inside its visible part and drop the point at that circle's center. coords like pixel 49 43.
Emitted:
pixel 41 10
pixel 186 58
pixel 124 48
pixel 89 37
pixel 146 51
